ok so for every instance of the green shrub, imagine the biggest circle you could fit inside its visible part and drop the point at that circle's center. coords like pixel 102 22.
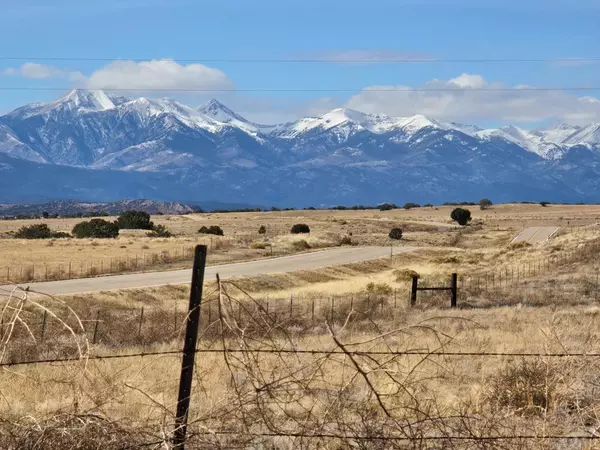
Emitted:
pixel 262 230
pixel 159 231
pixel 213 229
pixel 461 215
pixel 96 228
pixel 135 220
pixel 485 203
pixel 396 234
pixel 300 228
pixel 39 231
pixel 301 245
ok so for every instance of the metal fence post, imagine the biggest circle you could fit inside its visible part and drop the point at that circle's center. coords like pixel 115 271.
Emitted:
pixel 189 348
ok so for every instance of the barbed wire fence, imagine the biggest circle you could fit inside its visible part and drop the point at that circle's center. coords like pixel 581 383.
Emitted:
pixel 357 385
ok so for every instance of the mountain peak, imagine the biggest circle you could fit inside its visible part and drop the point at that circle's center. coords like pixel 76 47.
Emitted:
pixel 221 113
pixel 89 100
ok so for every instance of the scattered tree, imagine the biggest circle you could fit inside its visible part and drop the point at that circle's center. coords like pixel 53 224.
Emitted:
pixel 387 207
pixel 396 234
pixel 96 228
pixel 45 215
pixel 135 220
pixel 262 230
pixel 300 228
pixel 39 231
pixel 427 205
pixel 461 215
pixel 485 203
pixel 411 205
pixel 544 203
pixel 213 229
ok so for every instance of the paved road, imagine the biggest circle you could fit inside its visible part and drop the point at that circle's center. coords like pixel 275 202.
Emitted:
pixel 535 234
pixel 315 260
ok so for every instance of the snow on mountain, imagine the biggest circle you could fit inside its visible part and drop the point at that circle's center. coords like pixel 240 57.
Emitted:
pixel 355 121
pixel 589 135
pixel 342 155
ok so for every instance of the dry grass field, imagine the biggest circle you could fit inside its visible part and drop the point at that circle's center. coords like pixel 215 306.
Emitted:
pixel 27 260
pixel 361 389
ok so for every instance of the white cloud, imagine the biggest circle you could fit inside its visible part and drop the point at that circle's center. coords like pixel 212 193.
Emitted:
pixel 35 71
pixel 156 74
pixel 462 99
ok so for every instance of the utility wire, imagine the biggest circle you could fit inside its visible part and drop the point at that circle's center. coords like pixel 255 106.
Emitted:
pixel 458 89
pixel 323 60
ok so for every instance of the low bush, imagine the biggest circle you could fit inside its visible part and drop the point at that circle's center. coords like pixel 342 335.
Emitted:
pixel 411 205
pixel 527 387
pixel 39 231
pixel 213 229
pixel 258 245
pixel 346 240
pixel 300 228
pixel 262 230
pixel 519 245
pixel 300 245
pixel 159 231
pixel 96 228
pixel 401 275
pixel 396 234
pixel 379 289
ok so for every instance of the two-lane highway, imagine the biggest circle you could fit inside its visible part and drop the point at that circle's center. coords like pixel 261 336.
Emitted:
pixel 305 261
pixel 535 234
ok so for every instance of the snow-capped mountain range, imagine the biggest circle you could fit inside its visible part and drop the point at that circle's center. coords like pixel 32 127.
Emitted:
pixel 93 146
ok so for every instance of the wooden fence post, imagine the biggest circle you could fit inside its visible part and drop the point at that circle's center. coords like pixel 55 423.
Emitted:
pixel 189 348
pixel 44 317
pixel 95 338
pixel 413 291
pixel 454 287
pixel 141 321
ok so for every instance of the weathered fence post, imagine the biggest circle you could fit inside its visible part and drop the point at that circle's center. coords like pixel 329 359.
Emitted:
pixel 44 325
pixel 141 321
pixel 454 287
pixel 95 337
pixel 291 305
pixel 413 291
pixel 189 348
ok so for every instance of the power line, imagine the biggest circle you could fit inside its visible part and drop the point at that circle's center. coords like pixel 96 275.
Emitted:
pixel 323 60
pixel 458 89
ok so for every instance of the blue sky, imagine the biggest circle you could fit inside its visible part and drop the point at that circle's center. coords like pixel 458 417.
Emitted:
pixel 150 30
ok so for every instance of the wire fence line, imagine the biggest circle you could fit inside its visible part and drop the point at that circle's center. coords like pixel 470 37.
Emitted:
pixel 377 393
pixel 302 352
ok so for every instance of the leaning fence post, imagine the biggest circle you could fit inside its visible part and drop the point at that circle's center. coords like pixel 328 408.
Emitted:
pixel 141 321
pixel 94 338
pixel 413 291
pixel 44 325
pixel 189 348
pixel 454 287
